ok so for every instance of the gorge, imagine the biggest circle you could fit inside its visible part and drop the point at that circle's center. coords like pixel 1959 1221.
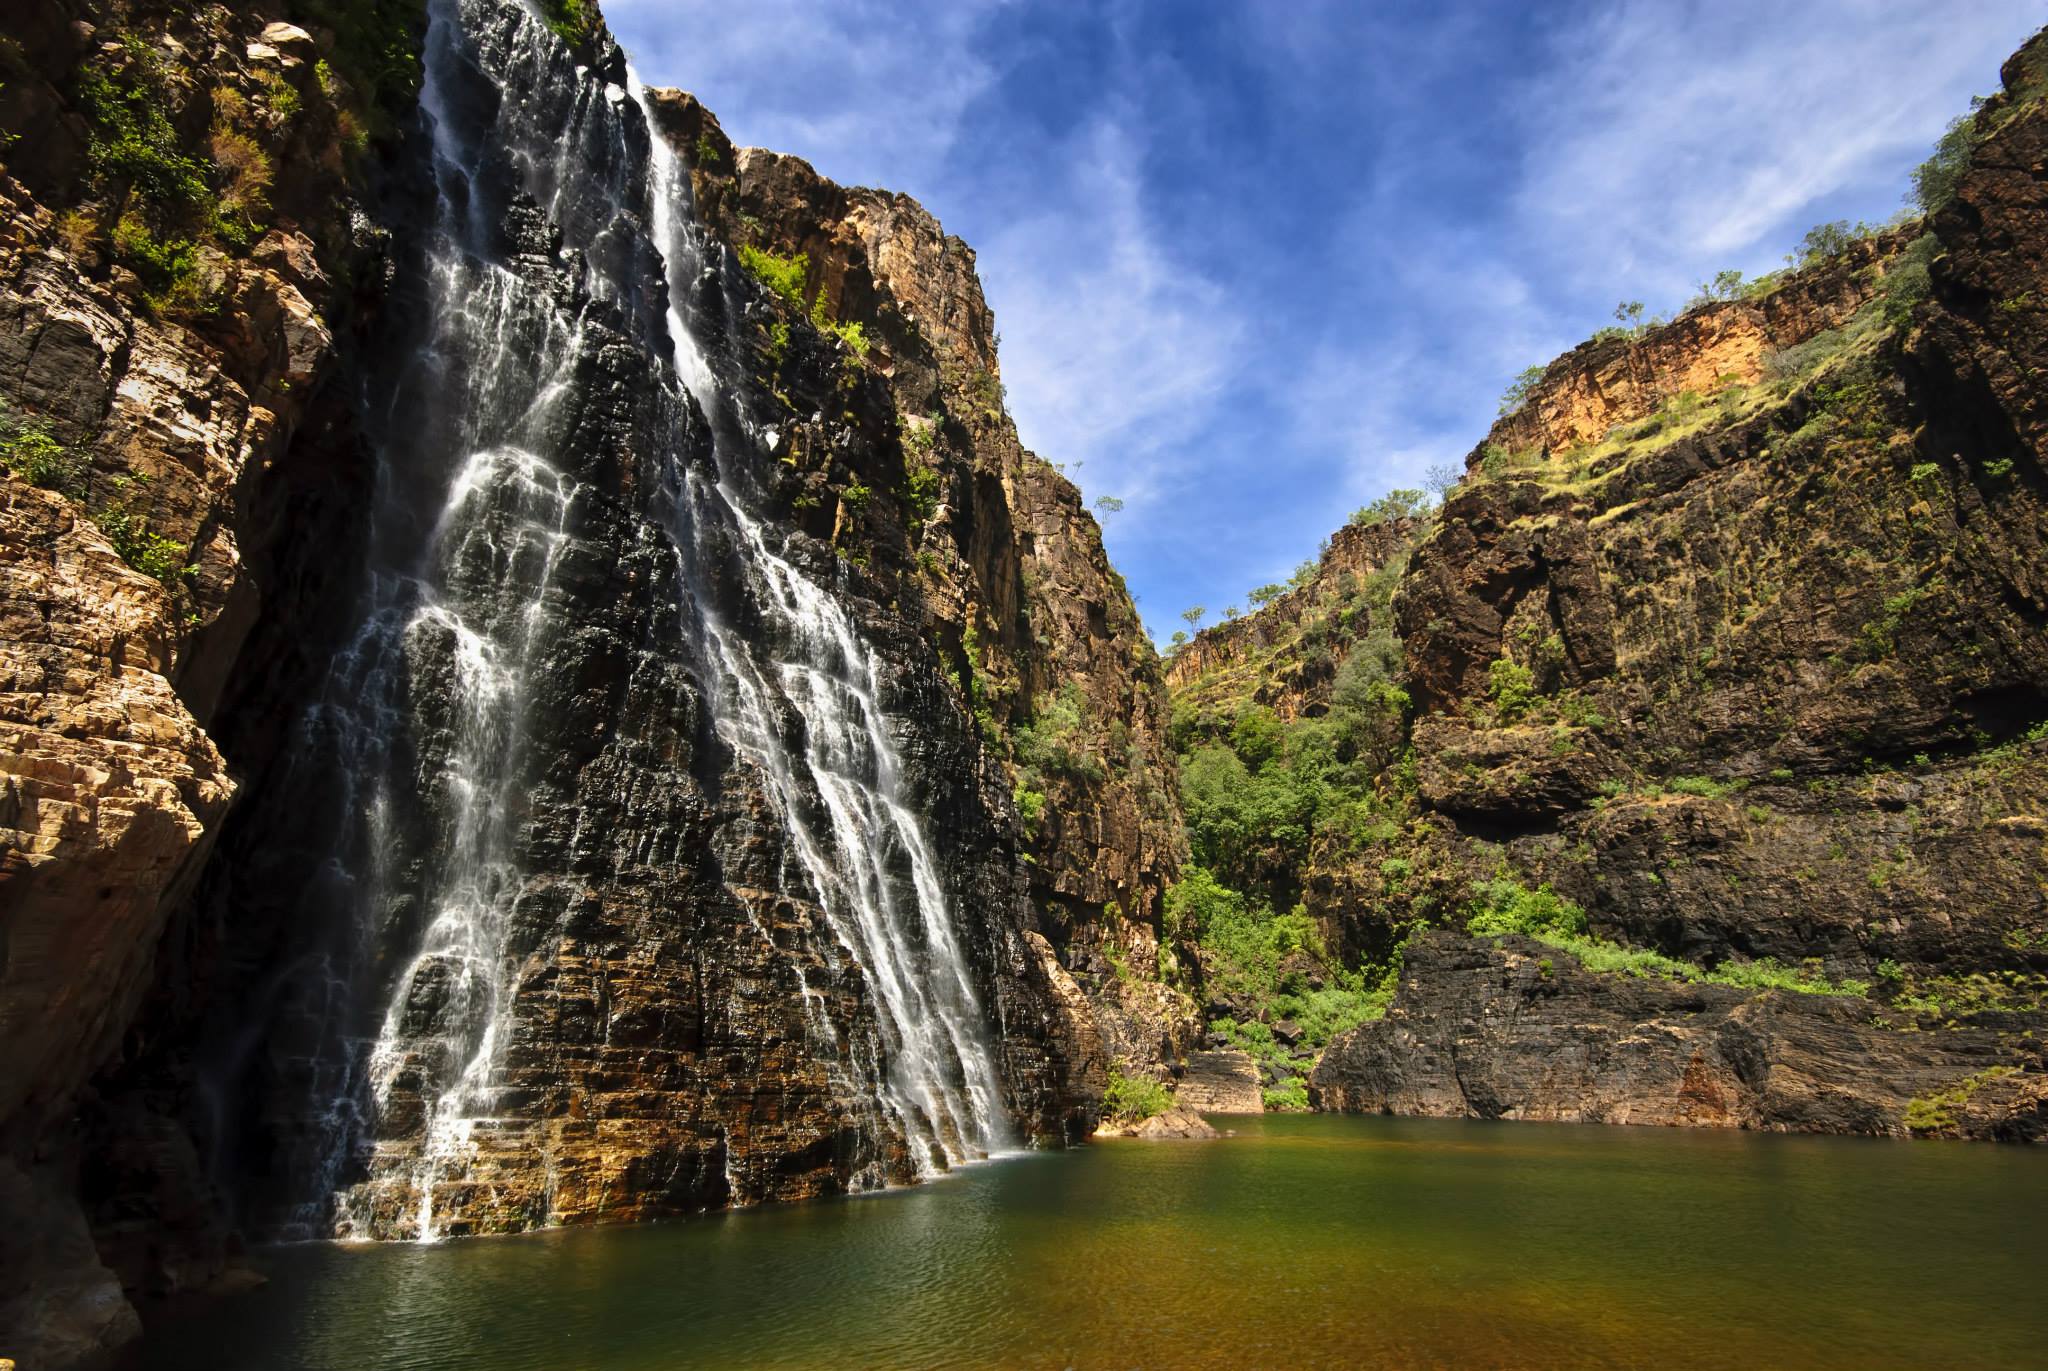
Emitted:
pixel 543 689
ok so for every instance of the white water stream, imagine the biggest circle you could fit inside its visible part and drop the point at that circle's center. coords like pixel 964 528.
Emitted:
pixel 463 626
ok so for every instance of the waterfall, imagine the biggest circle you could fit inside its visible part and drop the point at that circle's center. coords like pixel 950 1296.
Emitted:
pixel 485 488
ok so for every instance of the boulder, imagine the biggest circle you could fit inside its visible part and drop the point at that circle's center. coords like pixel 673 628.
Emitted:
pixel 1181 1121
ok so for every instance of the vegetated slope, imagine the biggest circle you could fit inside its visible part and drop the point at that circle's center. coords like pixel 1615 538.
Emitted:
pixel 1709 782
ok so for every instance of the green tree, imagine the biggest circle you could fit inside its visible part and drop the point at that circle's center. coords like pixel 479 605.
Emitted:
pixel 1726 285
pixel 1823 241
pixel 1394 505
pixel 1193 614
pixel 1520 389
pixel 1935 180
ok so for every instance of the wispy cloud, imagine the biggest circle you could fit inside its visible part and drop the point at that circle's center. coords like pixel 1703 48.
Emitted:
pixel 872 92
pixel 1676 140
pixel 1254 266
pixel 1113 353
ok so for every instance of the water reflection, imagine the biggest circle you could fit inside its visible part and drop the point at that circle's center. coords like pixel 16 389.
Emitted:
pixel 1302 1242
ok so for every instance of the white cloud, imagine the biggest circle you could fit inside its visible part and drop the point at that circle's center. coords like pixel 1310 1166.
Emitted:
pixel 1112 351
pixel 870 92
pixel 1668 141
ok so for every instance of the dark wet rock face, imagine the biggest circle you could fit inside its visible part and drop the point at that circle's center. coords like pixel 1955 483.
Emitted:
pixel 1519 1031
pixel 990 541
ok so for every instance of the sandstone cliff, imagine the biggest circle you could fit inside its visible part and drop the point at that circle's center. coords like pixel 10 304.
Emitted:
pixel 995 548
pixel 217 277
pixel 1722 669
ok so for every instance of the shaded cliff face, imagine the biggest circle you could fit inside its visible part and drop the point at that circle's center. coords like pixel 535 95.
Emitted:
pixel 991 543
pixel 1728 652
pixel 182 263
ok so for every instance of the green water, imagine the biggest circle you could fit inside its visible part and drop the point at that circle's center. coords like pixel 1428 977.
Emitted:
pixel 1304 1241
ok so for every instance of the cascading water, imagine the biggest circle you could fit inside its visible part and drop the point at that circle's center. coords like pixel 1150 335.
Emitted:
pixel 431 711
pixel 930 1020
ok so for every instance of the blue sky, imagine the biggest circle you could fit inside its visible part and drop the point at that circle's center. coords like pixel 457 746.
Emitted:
pixel 1256 263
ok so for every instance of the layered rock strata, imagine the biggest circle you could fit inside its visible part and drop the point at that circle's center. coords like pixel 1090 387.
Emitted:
pixel 1734 636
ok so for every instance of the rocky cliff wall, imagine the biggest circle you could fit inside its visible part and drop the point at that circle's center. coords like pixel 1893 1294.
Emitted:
pixel 1723 670
pixel 996 549
pixel 1285 654
pixel 204 334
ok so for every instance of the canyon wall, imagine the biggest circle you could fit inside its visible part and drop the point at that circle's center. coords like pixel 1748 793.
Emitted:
pixel 561 856
pixel 1722 669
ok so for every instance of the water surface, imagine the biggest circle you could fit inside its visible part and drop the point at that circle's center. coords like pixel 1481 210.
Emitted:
pixel 1301 1242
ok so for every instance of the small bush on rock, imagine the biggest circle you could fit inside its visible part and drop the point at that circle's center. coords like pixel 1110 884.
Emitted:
pixel 1134 1099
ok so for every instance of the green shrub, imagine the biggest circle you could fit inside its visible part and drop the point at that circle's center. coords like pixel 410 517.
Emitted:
pixel 1520 389
pixel 921 485
pixel 783 275
pixel 1055 740
pixel 152 554
pixel 1823 241
pixel 126 99
pixel 853 335
pixel 1936 1113
pixel 1133 1099
pixel 1030 807
pixel 1935 180
pixel 1396 504
pixel 1600 955
pixel 1198 902
pixel 1512 686
pixel 168 267
pixel 705 153
pixel 573 21
pixel 29 451
pixel 1289 1098
pixel 1503 905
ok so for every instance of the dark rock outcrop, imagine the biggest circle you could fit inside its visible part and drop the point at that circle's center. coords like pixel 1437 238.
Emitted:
pixel 1735 635
pixel 1519 1030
